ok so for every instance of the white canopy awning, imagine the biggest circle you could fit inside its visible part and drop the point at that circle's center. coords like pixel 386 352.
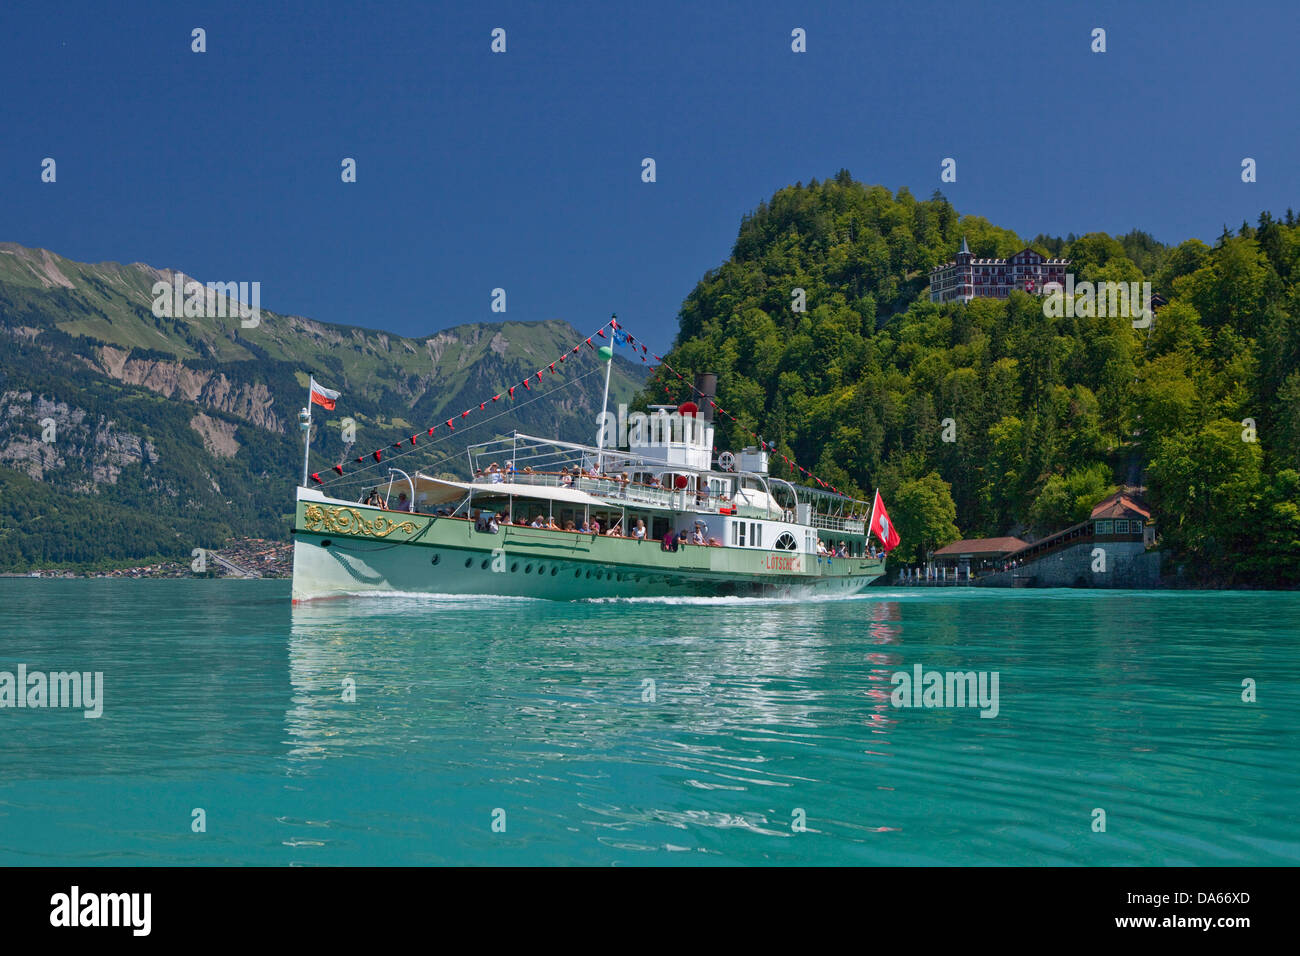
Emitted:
pixel 441 489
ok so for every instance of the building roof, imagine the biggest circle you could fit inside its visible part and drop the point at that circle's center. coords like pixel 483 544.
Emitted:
pixel 982 546
pixel 964 248
pixel 1120 505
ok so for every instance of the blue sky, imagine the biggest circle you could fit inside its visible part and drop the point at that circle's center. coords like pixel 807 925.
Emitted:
pixel 522 170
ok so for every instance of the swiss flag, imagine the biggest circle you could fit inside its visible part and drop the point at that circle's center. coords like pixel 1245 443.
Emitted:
pixel 881 526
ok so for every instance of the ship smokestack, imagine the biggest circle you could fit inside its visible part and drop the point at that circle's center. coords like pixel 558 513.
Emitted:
pixel 706 386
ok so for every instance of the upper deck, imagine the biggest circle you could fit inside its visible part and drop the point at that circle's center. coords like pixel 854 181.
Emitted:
pixel 635 478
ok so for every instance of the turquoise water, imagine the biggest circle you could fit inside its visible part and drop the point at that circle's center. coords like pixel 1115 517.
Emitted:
pixel 219 695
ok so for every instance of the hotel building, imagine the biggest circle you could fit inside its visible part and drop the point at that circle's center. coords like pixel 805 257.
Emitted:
pixel 967 277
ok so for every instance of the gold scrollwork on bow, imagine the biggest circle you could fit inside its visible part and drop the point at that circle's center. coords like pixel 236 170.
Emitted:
pixel 349 521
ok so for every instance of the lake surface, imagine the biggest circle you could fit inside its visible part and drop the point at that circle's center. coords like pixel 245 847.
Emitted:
pixel 687 731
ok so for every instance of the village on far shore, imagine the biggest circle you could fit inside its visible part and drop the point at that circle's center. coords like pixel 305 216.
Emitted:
pixel 240 558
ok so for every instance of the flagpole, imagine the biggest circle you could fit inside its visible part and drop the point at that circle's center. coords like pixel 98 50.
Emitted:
pixel 306 426
pixel 604 417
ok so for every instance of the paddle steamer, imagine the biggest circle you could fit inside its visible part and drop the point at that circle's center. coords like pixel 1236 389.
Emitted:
pixel 721 525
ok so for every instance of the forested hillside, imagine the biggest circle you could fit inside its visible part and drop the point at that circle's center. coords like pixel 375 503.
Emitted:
pixel 1044 415
pixel 124 435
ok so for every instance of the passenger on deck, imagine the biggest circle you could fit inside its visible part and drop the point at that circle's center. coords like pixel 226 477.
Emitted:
pixel 566 479
pixel 595 526
pixel 669 542
pixel 510 468
pixel 570 526
pixel 553 524
pixel 494 473
pixel 403 504
pixel 638 532
pixel 537 522
pixel 493 524
pixel 697 536
pixel 480 521
pixel 373 500
pixel 586 528
pixel 616 531
pixel 682 539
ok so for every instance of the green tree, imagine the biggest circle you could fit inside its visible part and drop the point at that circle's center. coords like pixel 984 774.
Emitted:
pixel 925 516
pixel 1206 485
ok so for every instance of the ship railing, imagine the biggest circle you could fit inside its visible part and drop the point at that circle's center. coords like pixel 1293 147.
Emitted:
pixel 836 523
pixel 634 492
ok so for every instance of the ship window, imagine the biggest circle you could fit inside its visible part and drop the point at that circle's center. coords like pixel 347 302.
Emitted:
pixel 756 535
pixel 741 525
pixel 786 541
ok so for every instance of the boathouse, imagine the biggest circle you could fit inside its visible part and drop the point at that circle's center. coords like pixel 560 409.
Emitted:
pixel 976 554
pixel 1110 549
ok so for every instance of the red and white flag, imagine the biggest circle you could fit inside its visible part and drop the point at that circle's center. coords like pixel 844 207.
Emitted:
pixel 881 526
pixel 322 396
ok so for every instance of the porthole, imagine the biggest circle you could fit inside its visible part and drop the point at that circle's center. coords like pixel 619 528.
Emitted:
pixel 484 565
pixel 326 543
pixel 540 569
pixel 528 569
pixel 588 574
pixel 554 571
pixel 468 562
pixel 578 573
pixel 435 559
pixel 514 567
